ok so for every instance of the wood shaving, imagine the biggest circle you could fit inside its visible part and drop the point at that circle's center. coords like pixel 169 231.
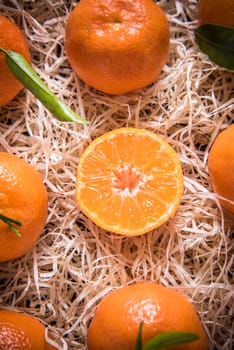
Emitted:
pixel 74 264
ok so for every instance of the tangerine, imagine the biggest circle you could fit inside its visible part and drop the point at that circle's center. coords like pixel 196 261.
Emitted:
pixel 117 46
pixel 219 12
pixel 129 181
pixel 118 316
pixel 221 167
pixel 21 331
pixel 11 38
pixel 23 197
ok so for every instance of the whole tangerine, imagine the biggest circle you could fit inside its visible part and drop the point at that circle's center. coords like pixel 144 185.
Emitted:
pixel 11 38
pixel 217 12
pixel 22 331
pixel 221 167
pixel 23 197
pixel 117 46
pixel 116 322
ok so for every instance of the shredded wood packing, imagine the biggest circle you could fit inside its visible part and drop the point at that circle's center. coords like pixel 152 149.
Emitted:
pixel 74 264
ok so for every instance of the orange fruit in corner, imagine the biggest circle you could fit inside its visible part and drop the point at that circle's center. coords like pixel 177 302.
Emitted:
pixel 219 12
pixel 221 167
pixel 129 181
pixel 23 197
pixel 22 331
pixel 117 46
pixel 118 316
pixel 11 38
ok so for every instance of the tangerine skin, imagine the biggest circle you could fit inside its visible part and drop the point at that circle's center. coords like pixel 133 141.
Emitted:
pixel 23 197
pixel 116 322
pixel 11 38
pixel 117 46
pixel 221 167
pixel 21 331
pixel 219 12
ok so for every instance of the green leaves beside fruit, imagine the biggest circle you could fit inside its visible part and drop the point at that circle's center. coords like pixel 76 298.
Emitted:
pixel 22 70
pixel 164 340
pixel 11 223
pixel 218 43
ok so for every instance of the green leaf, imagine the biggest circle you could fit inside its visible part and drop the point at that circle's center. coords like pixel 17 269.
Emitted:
pixel 218 43
pixel 168 339
pixel 139 338
pixel 22 70
pixel 11 222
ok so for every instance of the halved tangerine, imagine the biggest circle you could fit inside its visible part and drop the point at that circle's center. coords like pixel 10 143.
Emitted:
pixel 129 181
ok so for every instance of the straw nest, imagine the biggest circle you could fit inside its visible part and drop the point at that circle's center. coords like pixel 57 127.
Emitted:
pixel 74 263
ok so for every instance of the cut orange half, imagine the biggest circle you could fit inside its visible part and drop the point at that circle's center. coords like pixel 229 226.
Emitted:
pixel 129 181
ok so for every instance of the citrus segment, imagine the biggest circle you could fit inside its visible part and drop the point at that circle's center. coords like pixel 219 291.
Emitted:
pixel 117 46
pixel 118 316
pixel 129 181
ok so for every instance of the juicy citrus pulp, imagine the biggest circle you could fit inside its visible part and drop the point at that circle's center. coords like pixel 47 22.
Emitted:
pixel 129 181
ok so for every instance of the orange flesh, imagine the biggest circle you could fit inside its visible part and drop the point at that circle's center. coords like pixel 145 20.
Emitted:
pixel 129 182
